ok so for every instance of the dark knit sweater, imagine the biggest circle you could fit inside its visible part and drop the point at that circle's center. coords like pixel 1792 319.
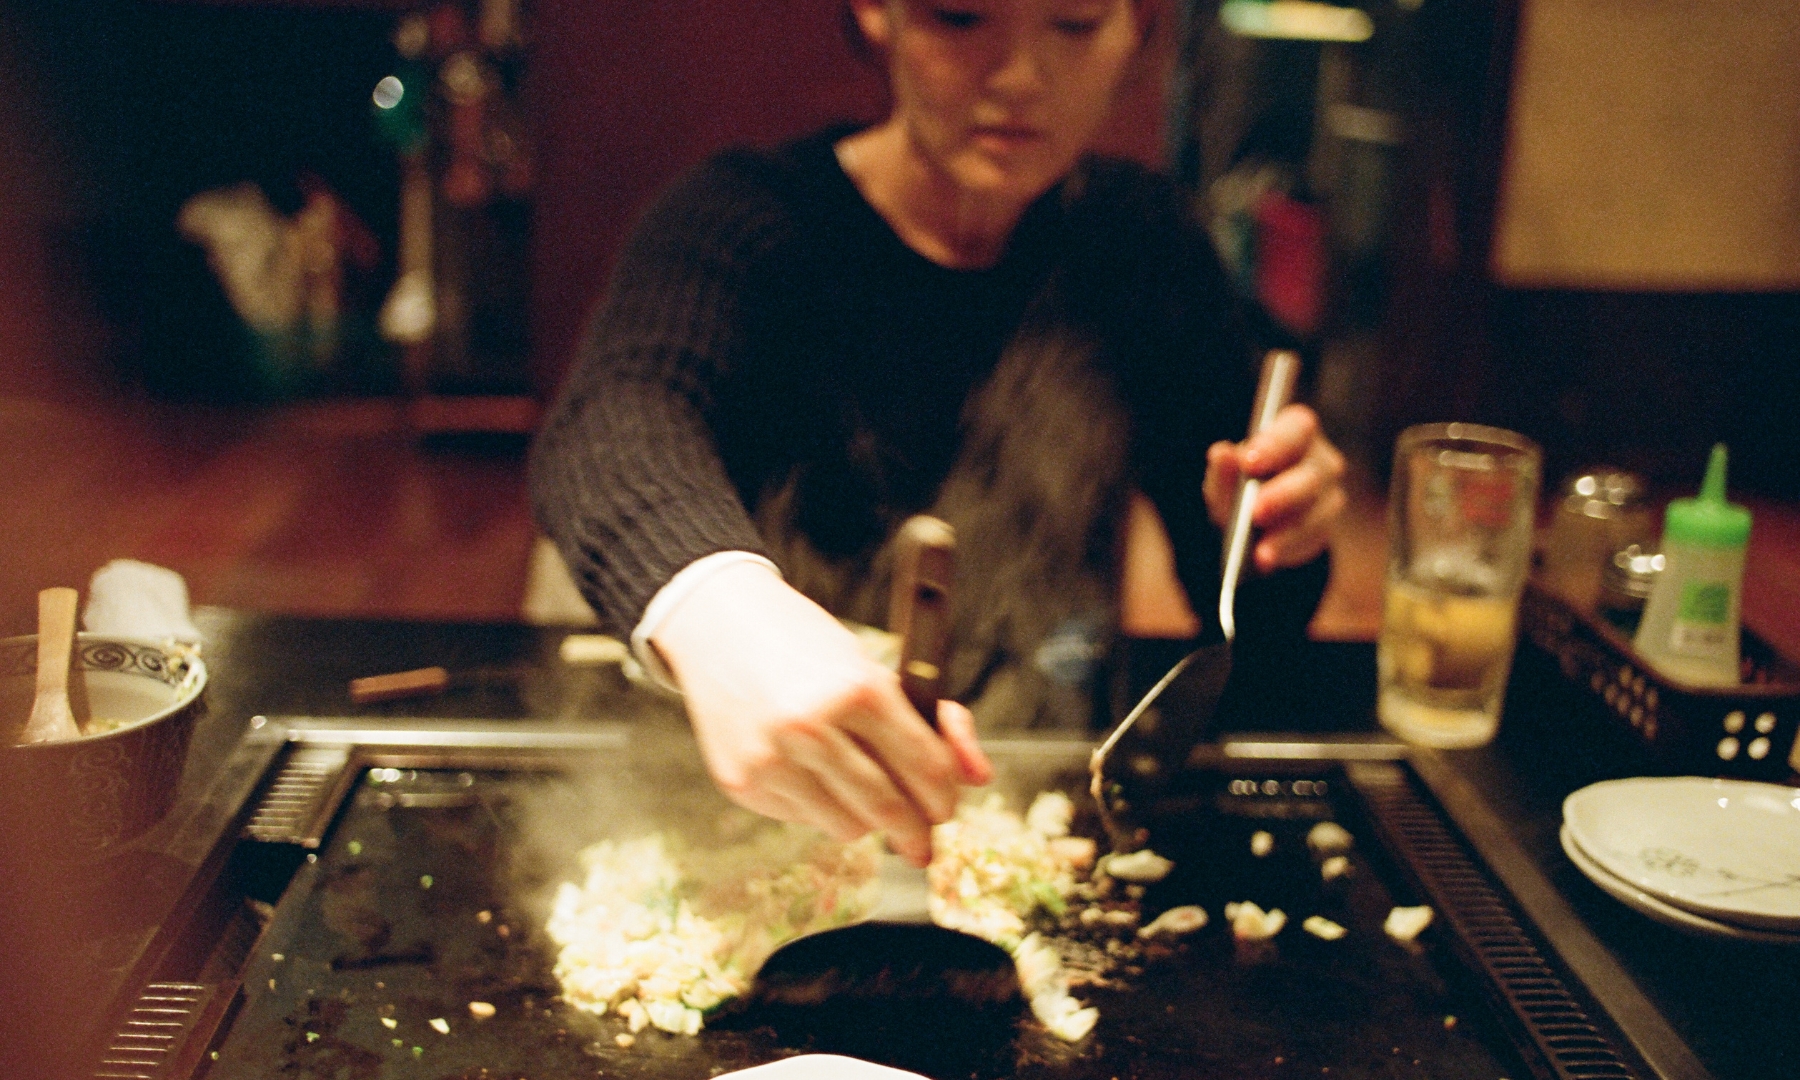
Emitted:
pixel 766 331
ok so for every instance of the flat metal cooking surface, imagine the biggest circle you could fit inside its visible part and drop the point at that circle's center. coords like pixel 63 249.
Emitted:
pixel 410 912
pixel 408 916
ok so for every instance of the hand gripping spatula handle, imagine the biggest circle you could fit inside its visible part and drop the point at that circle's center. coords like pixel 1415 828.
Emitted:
pixel 919 614
pixel 1274 390
pixel 897 953
pixel 919 608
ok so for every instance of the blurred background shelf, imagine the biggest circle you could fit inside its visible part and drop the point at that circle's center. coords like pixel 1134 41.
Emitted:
pixel 331 508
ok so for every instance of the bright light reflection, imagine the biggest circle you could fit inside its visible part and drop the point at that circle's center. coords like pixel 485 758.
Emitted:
pixel 1300 20
pixel 388 92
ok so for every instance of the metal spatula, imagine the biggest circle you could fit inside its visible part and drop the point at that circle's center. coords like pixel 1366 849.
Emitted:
pixel 1280 370
pixel 896 952
pixel 1211 663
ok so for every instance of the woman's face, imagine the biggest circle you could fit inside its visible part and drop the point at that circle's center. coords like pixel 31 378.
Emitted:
pixel 1003 96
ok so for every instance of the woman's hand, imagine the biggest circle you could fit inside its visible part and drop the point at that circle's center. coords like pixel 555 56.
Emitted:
pixel 1302 487
pixel 795 722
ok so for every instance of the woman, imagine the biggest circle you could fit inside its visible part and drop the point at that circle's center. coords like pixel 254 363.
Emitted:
pixel 955 310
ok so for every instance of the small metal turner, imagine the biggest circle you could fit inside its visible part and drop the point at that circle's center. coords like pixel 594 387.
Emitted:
pixel 1280 371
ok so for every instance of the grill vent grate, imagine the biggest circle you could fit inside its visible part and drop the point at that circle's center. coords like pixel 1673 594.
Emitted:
pixel 1555 1020
pixel 292 802
pixel 153 1032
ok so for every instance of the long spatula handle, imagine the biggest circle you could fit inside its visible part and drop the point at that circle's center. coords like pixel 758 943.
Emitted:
pixel 1280 370
pixel 919 608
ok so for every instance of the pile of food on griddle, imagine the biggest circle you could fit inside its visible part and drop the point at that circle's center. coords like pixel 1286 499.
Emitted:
pixel 662 936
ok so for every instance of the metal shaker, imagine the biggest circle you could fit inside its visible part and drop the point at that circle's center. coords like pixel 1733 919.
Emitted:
pixel 1602 510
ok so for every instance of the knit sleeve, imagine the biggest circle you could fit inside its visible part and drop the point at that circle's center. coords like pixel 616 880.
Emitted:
pixel 626 475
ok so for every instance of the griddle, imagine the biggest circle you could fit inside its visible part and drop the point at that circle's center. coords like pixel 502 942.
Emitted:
pixel 369 855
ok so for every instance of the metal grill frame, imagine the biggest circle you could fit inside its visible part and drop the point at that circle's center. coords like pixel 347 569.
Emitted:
pixel 1560 989
pixel 1570 998
pixel 1490 935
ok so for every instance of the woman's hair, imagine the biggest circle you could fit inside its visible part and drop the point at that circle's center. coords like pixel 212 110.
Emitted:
pixel 854 36
pixel 860 48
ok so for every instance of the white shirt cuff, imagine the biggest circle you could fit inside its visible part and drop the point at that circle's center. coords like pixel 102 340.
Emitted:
pixel 670 596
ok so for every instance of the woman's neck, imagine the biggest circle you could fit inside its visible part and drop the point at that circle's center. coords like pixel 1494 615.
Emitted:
pixel 931 214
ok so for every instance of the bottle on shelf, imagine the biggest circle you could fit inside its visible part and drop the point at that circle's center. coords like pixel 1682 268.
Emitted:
pixel 1689 630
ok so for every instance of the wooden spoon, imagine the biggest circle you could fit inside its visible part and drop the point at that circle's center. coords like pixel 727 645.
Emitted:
pixel 51 718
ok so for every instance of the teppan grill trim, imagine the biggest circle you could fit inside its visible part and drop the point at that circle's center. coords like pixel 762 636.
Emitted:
pixel 1563 1006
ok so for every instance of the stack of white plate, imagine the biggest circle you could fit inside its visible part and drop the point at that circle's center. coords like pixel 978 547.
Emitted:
pixel 1714 857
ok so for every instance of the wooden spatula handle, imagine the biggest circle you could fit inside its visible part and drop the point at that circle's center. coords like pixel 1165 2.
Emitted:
pixel 56 635
pixel 919 608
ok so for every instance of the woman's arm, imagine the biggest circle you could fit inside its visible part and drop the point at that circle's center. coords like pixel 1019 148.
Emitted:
pixel 628 478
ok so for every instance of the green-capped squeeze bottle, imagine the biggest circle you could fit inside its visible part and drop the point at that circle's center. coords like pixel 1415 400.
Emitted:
pixel 1690 626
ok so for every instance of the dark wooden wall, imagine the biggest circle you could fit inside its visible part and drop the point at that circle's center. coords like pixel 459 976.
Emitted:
pixel 627 93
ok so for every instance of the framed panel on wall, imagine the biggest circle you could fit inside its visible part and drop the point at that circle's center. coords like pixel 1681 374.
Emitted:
pixel 1653 145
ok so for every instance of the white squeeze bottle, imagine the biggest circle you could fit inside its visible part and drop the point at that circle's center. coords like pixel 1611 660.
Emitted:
pixel 1690 626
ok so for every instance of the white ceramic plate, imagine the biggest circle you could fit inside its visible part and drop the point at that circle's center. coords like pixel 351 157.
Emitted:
pixel 821 1067
pixel 1726 850
pixel 1667 914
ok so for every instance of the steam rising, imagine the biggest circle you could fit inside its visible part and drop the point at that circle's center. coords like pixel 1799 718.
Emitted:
pixel 658 784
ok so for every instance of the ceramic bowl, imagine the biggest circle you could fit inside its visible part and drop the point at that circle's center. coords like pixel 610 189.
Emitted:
pixel 89 795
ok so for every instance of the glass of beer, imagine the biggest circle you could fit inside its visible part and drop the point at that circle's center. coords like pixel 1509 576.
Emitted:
pixel 1460 519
